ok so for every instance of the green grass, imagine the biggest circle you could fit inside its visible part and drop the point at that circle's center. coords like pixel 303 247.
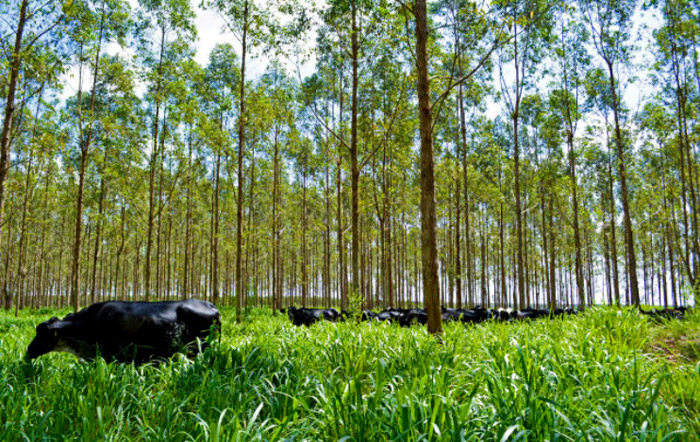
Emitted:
pixel 596 377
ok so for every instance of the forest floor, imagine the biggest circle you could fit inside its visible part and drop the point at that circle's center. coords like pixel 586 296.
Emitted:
pixel 603 375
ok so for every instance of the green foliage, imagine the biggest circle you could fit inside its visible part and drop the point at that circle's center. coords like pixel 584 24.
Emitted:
pixel 591 377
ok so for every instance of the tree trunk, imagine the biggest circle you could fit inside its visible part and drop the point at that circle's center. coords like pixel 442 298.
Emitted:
pixel 518 301
pixel 553 301
pixel 276 295
pixel 152 173
pixel 577 234
pixel 354 166
pixel 98 233
pixel 342 271
pixel 84 151
pixel 304 263
pixel 186 289
pixel 240 284
pixel 629 236
pixel 613 238
pixel 215 234
pixel 431 288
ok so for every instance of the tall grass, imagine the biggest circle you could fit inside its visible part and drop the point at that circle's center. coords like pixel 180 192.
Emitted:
pixel 587 378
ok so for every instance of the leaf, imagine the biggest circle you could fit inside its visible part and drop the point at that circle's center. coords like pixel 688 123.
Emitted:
pixel 508 432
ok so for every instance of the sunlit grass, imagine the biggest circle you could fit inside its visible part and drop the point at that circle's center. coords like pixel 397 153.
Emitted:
pixel 594 377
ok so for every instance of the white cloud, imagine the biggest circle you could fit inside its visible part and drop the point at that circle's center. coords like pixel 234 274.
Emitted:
pixel 211 31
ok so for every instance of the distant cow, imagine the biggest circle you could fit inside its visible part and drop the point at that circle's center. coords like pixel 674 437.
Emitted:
pixel 665 313
pixel 128 331
pixel 414 316
pixel 476 315
pixel 308 316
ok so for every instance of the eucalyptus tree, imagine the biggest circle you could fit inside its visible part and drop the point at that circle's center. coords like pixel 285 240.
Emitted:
pixel 540 133
pixel 572 60
pixel 36 22
pixel 39 78
pixel 677 54
pixel 474 34
pixel 610 25
pixel 482 169
pixel 340 18
pixel 253 26
pixel 385 107
pixel 180 75
pixel 599 96
pixel 431 284
pixel 220 81
pixel 655 143
pixel 355 27
pixel 195 108
pixel 119 131
pixel 304 161
pixel 25 137
pixel 327 104
pixel 160 23
pixel 529 25
pixel 278 97
pixel 96 24
pixel 319 101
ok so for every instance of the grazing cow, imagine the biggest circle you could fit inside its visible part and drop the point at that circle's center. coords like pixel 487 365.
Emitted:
pixel 503 315
pixel 451 314
pixel 308 316
pixel 662 313
pixel 414 316
pixel 465 316
pixel 128 331
pixel 367 315
pixel 387 316
pixel 531 313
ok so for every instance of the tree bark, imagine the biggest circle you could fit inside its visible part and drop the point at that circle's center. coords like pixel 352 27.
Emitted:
pixel 629 235
pixel 354 165
pixel 152 173
pixel 215 235
pixel 240 283
pixel 276 295
pixel 98 233
pixel 431 288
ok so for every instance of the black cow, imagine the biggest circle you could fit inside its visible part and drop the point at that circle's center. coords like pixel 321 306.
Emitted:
pixel 503 315
pixel 308 316
pixel 128 331
pixel 531 313
pixel 465 316
pixel 387 316
pixel 414 316
pixel 665 313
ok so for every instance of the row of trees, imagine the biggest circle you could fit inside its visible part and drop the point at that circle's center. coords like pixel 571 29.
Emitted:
pixel 159 178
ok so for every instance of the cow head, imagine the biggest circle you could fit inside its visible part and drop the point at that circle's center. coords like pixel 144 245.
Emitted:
pixel 46 338
pixel 291 312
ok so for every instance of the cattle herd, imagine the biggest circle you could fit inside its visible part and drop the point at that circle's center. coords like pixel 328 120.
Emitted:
pixel 144 331
pixel 410 316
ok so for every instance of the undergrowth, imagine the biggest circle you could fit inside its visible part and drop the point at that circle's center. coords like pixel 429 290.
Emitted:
pixel 595 377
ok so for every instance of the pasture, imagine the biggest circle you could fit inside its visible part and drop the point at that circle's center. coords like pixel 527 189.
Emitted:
pixel 602 375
